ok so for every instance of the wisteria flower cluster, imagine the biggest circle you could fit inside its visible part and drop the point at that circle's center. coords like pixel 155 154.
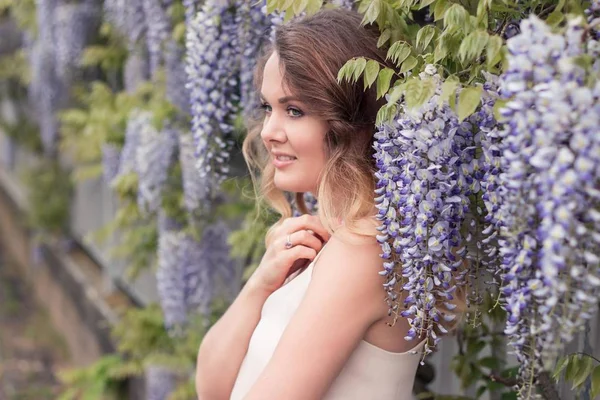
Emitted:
pixel 111 157
pixel 128 160
pixel 213 69
pixel 158 30
pixel 549 207
pixel 253 27
pixel 193 189
pixel 128 17
pixel 191 273
pixel 154 156
pixel 74 25
pixel 426 172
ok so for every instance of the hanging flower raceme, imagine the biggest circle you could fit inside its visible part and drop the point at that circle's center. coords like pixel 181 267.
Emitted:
pixel 253 28
pixel 549 211
pixel 111 156
pixel 193 189
pixel 214 273
pixel 128 161
pixel 158 30
pixel 160 382
pixel 426 173
pixel 45 87
pixel 169 273
pixel 128 17
pixel 177 92
pixel 74 25
pixel 192 273
pixel 213 70
pixel 153 157
pixel 478 172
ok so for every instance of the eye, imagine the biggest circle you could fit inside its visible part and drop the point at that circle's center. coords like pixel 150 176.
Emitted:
pixel 294 112
pixel 265 107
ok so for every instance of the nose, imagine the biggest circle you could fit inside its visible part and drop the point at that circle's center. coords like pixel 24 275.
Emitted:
pixel 273 129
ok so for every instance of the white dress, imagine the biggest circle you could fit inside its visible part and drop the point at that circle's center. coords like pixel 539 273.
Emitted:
pixel 370 373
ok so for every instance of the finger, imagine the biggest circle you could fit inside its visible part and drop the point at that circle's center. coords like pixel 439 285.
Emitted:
pixel 311 222
pixel 306 238
pixel 301 237
pixel 297 252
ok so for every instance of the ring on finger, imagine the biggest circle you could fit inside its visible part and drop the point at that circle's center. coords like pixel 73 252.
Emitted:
pixel 288 242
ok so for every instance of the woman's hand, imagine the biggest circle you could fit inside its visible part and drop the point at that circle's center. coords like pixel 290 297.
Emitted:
pixel 307 236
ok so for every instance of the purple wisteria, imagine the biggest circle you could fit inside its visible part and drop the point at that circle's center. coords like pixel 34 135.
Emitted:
pixel 426 172
pixel 111 157
pixel 154 156
pixel 549 199
pixel 193 189
pixel 74 25
pixel 128 162
pixel 213 69
pixel 128 17
pixel 177 92
pixel 192 273
pixel 253 29
pixel 158 30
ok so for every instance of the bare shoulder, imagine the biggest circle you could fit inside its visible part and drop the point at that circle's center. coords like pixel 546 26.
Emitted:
pixel 350 264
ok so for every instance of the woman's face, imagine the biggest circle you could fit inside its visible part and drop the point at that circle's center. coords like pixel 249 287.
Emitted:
pixel 290 128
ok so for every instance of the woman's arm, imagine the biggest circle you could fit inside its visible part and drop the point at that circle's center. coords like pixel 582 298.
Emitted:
pixel 343 300
pixel 225 344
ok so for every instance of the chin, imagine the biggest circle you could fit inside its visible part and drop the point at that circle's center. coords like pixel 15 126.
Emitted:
pixel 288 185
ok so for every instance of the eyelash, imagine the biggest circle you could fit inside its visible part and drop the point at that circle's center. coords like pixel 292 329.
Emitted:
pixel 266 108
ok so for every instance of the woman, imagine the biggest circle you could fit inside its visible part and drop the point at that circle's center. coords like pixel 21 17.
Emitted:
pixel 320 332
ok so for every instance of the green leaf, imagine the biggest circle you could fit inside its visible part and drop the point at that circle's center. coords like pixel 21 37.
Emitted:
pixel 440 9
pixel 560 365
pixel 424 37
pixel 396 93
pixel 448 89
pixel 572 368
pixel 425 3
pixel 585 369
pixel 472 46
pixel 455 17
pixel 489 362
pixel 372 12
pixel 371 72
pixel 271 6
pixel 384 37
pixel 408 64
pixel 360 65
pixel 493 50
pixel 595 382
pixel 343 73
pixel 555 18
pixel 420 92
pixel 480 391
pixel 313 6
pixel 398 52
pixel 383 81
pixel 468 100
pixel 299 6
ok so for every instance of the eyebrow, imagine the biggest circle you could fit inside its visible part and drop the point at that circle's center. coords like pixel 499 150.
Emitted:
pixel 283 100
